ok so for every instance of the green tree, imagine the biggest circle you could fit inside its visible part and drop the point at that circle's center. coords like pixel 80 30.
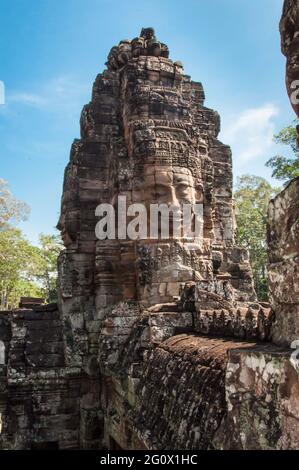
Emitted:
pixel 17 256
pixel 12 210
pixel 284 168
pixel 252 196
pixel 49 249
pixel 18 265
pixel 25 270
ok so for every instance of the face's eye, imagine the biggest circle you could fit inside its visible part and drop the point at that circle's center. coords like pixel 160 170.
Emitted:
pixel 183 190
pixel 159 191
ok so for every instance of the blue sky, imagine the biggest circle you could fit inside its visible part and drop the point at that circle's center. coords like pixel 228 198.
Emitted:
pixel 52 50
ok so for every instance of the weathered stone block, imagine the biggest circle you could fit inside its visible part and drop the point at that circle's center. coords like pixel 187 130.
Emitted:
pixel 283 267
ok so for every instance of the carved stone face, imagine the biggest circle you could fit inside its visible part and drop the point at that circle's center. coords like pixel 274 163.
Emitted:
pixel 68 227
pixel 148 33
pixel 172 186
pixel 289 29
pixel 137 46
pixel 169 185
pixel 154 48
pixel 170 257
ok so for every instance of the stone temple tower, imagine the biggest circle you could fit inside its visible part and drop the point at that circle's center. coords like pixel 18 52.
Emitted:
pixel 146 135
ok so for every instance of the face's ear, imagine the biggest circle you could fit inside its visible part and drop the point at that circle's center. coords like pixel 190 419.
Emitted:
pixel 198 192
pixel 144 188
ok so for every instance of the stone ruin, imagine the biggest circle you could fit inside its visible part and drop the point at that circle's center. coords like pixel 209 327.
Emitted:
pixel 283 227
pixel 289 29
pixel 154 345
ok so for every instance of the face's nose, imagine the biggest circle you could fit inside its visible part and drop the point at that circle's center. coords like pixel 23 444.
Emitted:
pixel 60 223
pixel 173 197
pixel 176 205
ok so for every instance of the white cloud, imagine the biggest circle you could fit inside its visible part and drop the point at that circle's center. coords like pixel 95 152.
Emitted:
pixel 29 99
pixel 31 149
pixel 250 133
pixel 65 86
pixel 59 94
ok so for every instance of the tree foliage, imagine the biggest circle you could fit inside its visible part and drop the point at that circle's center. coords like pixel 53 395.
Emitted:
pixel 12 210
pixel 18 262
pixel 285 168
pixel 25 269
pixel 252 197
pixel 49 249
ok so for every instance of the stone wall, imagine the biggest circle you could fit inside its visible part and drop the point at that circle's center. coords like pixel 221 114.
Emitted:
pixel 289 29
pixel 162 385
pixel 39 396
pixel 283 216
pixel 262 394
pixel 283 269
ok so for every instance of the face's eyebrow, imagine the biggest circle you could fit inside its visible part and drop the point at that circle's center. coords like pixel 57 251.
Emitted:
pixel 181 180
pixel 159 184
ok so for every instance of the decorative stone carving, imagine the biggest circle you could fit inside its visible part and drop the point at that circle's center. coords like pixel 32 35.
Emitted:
pixel 283 215
pixel 283 268
pixel 289 30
